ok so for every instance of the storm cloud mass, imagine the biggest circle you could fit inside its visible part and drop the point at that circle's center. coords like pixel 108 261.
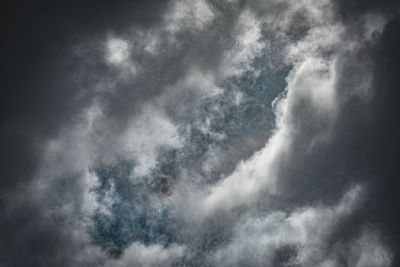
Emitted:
pixel 200 133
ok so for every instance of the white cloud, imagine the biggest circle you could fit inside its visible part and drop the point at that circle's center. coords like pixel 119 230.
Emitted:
pixel 144 135
pixel 186 14
pixel 304 233
pixel 138 254
pixel 248 45
pixel 118 54
pixel 117 51
pixel 249 178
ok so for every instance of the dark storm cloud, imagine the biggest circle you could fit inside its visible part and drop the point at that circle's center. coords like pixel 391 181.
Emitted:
pixel 41 99
pixel 351 10
pixel 49 80
pixel 374 142
pixel 37 98
pixel 363 143
pixel 37 92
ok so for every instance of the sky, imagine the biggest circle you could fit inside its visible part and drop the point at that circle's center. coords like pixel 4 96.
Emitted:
pixel 200 133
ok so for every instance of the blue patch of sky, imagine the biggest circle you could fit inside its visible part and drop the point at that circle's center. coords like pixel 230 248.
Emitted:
pixel 132 217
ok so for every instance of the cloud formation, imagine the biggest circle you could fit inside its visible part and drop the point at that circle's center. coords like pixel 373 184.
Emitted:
pixel 200 133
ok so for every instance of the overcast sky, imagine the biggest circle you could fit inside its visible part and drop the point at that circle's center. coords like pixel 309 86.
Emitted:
pixel 200 133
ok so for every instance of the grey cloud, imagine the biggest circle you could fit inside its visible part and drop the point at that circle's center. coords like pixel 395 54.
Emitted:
pixel 161 116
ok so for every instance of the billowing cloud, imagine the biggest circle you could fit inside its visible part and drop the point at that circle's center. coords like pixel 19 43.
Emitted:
pixel 201 133
pixel 302 238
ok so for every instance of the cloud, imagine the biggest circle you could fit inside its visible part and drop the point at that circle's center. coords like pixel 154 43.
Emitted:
pixel 301 235
pixel 247 45
pixel 311 82
pixel 145 135
pixel 117 51
pixel 188 15
pixel 139 255
pixel 201 133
